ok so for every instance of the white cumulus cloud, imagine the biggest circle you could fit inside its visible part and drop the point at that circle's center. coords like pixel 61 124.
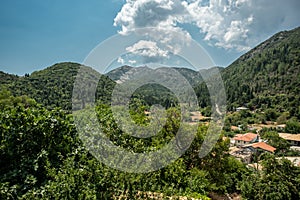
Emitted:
pixel 162 16
pixel 132 62
pixel 229 24
pixel 149 13
pixel 121 60
pixel 148 50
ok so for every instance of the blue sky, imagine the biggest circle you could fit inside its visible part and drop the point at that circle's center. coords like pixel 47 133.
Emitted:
pixel 35 34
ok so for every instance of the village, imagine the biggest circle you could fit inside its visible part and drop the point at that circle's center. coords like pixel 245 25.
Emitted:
pixel 247 145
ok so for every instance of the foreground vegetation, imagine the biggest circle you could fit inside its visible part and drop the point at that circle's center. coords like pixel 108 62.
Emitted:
pixel 42 157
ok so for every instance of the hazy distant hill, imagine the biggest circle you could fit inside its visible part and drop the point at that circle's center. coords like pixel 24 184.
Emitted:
pixel 116 74
pixel 194 77
pixel 157 94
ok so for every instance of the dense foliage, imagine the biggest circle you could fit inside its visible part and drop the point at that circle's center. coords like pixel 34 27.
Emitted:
pixel 42 157
pixel 53 86
pixel 268 76
pixel 279 179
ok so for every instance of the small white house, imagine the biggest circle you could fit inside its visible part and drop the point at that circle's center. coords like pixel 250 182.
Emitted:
pixel 244 139
pixel 238 109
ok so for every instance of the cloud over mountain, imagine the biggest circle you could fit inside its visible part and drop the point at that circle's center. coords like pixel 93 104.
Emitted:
pixel 229 24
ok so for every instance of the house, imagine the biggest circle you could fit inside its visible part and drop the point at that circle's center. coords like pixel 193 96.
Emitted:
pixel 247 152
pixel 295 148
pixel 147 113
pixel 197 117
pixel 256 166
pixel 244 139
pixel 241 108
pixel 280 127
pixel 234 128
pixel 260 146
pixel 259 127
pixel 244 155
pixel 293 139
pixel 294 160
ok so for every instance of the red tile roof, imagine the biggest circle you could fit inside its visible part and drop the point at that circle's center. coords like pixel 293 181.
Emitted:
pixel 248 137
pixel 262 145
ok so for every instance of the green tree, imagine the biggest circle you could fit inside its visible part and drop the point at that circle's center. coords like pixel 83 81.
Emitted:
pixel 292 126
pixel 282 118
pixel 32 140
pixel 271 114
pixel 276 141
pixel 279 179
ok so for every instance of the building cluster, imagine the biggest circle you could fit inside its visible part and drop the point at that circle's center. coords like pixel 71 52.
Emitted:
pixel 248 147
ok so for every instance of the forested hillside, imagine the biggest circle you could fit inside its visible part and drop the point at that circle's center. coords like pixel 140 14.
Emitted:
pixel 53 86
pixel 7 78
pixel 268 75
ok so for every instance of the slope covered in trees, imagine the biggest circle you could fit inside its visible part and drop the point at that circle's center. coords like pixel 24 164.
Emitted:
pixel 268 75
pixel 7 78
pixel 53 86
